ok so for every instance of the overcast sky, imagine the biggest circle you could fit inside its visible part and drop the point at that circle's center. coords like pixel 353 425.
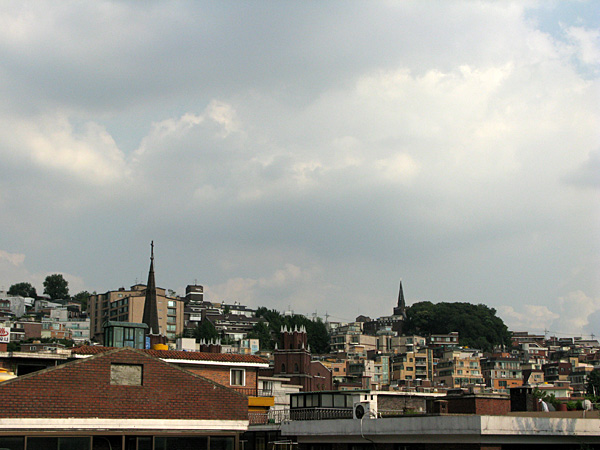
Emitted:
pixel 308 155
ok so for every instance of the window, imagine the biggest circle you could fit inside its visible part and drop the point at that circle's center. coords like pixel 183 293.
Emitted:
pixel 171 311
pixel 237 377
pixel 171 303
pixel 129 337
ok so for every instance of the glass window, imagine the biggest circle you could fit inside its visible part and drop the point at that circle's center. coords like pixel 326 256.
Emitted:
pixel 138 443
pixel 309 401
pixel 181 443
pixel 63 443
pixel 171 311
pixel 129 337
pixel 12 443
pixel 327 400
pixel 221 443
pixel 339 401
pixel 171 303
pixel 238 377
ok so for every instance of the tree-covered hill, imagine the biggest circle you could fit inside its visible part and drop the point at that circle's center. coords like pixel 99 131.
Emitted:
pixel 477 325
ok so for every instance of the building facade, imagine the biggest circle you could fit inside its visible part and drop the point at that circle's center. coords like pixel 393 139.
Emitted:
pixel 124 305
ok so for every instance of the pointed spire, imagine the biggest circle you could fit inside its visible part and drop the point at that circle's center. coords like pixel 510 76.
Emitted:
pixel 400 310
pixel 150 316
pixel 401 303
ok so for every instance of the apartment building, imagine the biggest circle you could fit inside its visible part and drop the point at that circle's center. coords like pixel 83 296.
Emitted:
pixel 502 371
pixel 124 305
pixel 402 344
pixel 415 365
pixel 459 368
pixel 350 340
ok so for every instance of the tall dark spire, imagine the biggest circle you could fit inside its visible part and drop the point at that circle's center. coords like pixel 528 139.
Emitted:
pixel 400 310
pixel 150 316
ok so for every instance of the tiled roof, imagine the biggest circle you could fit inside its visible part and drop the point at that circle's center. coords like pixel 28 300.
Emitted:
pixel 84 389
pixel 174 354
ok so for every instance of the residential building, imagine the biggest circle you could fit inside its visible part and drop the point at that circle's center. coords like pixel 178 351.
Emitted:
pixel 15 304
pixel 128 306
pixel 557 371
pixel 403 344
pixel 350 340
pixel 443 340
pixel 414 365
pixel 123 398
pixel 502 372
pixel 459 368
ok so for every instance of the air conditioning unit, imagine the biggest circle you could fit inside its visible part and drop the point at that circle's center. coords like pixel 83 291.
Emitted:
pixel 364 410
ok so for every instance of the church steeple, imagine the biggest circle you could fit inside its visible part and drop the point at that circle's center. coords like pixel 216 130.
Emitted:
pixel 400 310
pixel 150 316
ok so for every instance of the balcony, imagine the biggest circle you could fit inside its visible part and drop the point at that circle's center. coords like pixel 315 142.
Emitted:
pixel 254 392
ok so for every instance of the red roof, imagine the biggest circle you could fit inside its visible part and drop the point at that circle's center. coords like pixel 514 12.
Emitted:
pixel 85 389
pixel 175 354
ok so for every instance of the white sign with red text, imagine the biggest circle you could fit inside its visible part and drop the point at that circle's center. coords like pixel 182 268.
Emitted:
pixel 4 335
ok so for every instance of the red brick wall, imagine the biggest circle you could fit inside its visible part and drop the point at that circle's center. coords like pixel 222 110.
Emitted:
pixel 478 405
pixel 221 374
pixel 82 389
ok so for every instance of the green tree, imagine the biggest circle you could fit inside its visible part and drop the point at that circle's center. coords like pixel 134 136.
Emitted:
pixel 593 383
pixel 82 298
pixel 318 337
pixel 262 332
pixel 477 325
pixel 56 287
pixel 206 330
pixel 23 289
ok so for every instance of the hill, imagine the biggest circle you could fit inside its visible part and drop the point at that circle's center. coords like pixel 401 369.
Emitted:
pixel 477 325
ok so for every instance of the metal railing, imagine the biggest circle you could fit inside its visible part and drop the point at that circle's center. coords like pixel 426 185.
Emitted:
pixel 278 416
pixel 271 417
pixel 254 392
pixel 320 413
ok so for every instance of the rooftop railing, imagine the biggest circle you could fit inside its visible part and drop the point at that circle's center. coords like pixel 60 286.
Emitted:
pixel 278 416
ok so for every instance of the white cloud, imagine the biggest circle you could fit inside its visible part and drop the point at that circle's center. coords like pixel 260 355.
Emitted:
pixel 343 146
pixel 51 145
pixel 250 291
pixel 535 318
pixel 587 44
pixel 15 259
pixel 575 310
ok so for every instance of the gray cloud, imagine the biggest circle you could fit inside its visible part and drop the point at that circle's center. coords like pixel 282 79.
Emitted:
pixel 303 155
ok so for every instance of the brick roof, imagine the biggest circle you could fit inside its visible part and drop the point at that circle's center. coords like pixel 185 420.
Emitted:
pixel 175 354
pixel 83 389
